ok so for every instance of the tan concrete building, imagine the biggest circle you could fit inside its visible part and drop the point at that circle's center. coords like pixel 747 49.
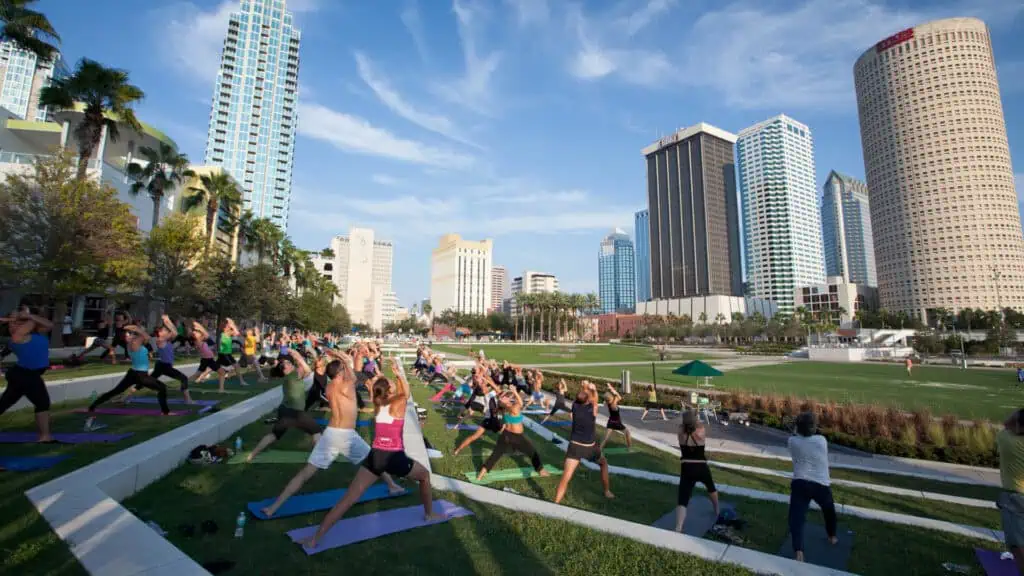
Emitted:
pixel 946 227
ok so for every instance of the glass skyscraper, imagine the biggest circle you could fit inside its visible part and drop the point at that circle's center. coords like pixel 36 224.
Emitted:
pixel 253 117
pixel 643 255
pixel 22 76
pixel 616 266
pixel 782 225
pixel 846 230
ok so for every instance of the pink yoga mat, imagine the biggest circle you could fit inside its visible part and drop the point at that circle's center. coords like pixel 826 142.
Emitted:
pixel 993 565
pixel 370 526
pixel 130 412
pixel 63 438
pixel 437 397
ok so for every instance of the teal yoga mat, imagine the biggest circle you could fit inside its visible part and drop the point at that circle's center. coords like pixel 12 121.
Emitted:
pixel 510 474
pixel 318 501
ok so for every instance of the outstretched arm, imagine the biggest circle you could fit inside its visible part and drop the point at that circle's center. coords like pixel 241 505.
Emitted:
pixel 402 384
pixel 300 362
pixel 171 328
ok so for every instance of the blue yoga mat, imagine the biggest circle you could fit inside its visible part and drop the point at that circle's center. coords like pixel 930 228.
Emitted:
pixel 317 501
pixel 558 423
pixel 461 426
pixel 359 423
pixel 29 463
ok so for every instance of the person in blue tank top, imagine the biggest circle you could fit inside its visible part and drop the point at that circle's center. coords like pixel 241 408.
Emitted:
pixel 137 376
pixel 32 348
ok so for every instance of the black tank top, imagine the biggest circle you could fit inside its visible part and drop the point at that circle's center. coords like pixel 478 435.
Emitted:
pixel 688 452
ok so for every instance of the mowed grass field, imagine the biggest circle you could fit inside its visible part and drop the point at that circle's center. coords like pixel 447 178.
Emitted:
pixel 974 393
pixel 561 353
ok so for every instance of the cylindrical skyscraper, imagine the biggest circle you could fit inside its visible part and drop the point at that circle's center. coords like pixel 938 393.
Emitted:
pixel 947 230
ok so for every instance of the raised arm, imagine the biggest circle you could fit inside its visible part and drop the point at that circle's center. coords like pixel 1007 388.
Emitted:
pixel 197 327
pixel 172 330
pixel 300 363
pixel 402 385
pixel 138 332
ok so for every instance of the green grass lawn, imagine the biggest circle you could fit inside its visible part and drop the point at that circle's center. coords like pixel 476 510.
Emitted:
pixel 494 541
pixel 28 544
pixel 561 354
pixel 988 394
pixel 643 457
pixel 95 367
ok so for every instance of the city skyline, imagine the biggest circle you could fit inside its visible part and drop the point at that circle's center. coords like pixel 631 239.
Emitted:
pixel 616 269
pixel 386 136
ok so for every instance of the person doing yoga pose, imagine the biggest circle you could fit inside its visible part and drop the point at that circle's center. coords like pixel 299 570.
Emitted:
pixel 492 414
pixel 249 346
pixel 388 455
pixel 615 424
pixel 560 402
pixel 512 436
pixel 809 451
pixel 340 437
pixel 290 413
pixel 137 376
pixel 693 466
pixel 207 361
pixel 537 394
pixel 583 441
pixel 32 347
pixel 166 335
pixel 225 349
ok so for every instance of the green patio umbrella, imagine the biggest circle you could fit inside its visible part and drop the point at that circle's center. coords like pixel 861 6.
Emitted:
pixel 698 369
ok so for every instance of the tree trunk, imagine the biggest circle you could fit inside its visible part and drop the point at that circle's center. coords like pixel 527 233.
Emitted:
pixel 85 153
pixel 211 223
pixel 157 197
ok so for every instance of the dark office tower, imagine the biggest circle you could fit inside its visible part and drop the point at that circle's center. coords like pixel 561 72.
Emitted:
pixel 694 214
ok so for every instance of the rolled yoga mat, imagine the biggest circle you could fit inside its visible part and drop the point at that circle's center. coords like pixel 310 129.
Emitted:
pixel 369 526
pixel 29 463
pixel 111 411
pixel 510 474
pixel 63 438
pixel 817 549
pixel 318 501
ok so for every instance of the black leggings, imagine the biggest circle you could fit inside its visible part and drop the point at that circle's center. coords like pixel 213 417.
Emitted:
pixel 802 492
pixel 315 397
pixel 138 379
pixel 516 443
pixel 27 383
pixel 165 369
pixel 292 418
pixel 559 405
pixel 689 474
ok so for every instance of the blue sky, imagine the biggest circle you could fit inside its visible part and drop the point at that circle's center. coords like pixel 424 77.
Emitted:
pixel 519 120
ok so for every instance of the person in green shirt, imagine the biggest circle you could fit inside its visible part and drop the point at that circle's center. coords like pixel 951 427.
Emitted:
pixel 290 413
pixel 225 349
pixel 1010 442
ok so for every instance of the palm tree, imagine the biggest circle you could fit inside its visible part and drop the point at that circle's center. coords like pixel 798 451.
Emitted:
pixel 216 191
pixel 266 236
pixel 164 170
pixel 593 302
pixel 243 233
pixel 327 253
pixel 525 302
pixel 287 256
pixel 29 30
pixel 108 99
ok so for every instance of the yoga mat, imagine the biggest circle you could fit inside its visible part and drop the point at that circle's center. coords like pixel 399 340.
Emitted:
pixel 536 412
pixel 818 551
pixel 359 423
pixel 700 517
pixel 431 453
pixel 272 457
pixel 318 501
pixel 215 391
pixel 63 438
pixel 558 423
pixel 991 562
pixel 28 463
pixel 437 396
pixel 510 474
pixel 152 400
pixel 461 426
pixel 616 450
pixel 370 526
pixel 110 411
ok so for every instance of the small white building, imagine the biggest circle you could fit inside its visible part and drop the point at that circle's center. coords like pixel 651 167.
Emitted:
pixel 836 298
pixel 717 308
pixel 461 275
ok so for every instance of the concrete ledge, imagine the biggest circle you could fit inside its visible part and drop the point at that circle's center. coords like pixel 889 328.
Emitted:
pixel 83 506
pixel 81 388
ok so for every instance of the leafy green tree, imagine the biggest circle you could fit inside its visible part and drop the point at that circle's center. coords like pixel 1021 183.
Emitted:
pixel 108 99
pixel 217 191
pixel 28 29
pixel 341 323
pixel 217 288
pixel 61 236
pixel 163 171
pixel 173 249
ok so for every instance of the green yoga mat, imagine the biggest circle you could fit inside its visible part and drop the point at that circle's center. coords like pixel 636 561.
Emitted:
pixel 510 474
pixel 273 457
pixel 616 450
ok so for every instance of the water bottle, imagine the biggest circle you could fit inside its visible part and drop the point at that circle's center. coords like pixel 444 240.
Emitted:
pixel 238 444
pixel 240 525
pixel 92 397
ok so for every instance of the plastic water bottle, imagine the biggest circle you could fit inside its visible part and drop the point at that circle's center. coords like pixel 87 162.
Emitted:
pixel 238 444
pixel 92 397
pixel 240 525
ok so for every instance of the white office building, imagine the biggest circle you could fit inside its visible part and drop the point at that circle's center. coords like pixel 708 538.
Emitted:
pixel 782 225
pixel 361 270
pixel 531 282
pixel 22 77
pixel 461 276
pixel 253 118
pixel 500 288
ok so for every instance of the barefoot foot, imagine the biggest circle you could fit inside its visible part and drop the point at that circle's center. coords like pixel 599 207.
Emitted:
pixel 608 494
pixel 268 511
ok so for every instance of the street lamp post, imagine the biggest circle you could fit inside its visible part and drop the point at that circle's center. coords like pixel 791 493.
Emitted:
pixel 996 274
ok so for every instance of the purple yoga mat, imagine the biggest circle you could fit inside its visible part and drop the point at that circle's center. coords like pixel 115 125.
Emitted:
pixel 370 526
pixel 461 426
pixel 205 405
pixel 130 412
pixel 993 565
pixel 63 438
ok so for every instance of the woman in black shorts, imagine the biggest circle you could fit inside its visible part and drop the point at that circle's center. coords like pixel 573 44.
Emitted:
pixel 560 402
pixel 615 424
pixel 583 441
pixel 693 466
pixel 492 415
pixel 512 437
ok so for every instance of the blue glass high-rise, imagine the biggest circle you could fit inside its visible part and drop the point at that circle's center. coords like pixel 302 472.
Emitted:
pixel 642 232
pixel 846 230
pixel 616 266
pixel 254 117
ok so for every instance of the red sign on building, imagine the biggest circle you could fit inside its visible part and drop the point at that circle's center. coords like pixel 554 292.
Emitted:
pixel 895 39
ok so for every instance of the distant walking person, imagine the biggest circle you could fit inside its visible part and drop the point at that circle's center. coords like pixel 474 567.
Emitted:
pixel 1010 442
pixel 66 329
pixel 811 481
pixel 910 366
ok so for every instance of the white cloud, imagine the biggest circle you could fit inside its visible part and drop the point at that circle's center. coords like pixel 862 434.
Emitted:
pixel 354 134
pixel 541 197
pixel 191 38
pixel 385 180
pixel 473 89
pixel 639 20
pixel 410 16
pixel 393 100
pixel 403 207
pixel 593 60
pixel 530 11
